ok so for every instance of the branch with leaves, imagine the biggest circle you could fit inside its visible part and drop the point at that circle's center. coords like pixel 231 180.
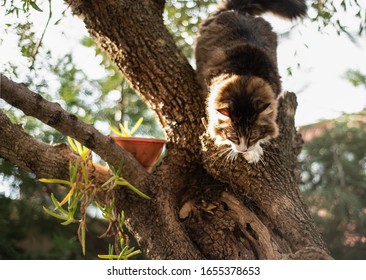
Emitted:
pixel 83 192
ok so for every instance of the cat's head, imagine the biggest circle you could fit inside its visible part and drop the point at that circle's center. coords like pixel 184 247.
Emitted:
pixel 241 112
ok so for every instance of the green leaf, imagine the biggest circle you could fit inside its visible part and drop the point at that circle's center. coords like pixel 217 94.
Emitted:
pixel 122 218
pixel 115 130
pixel 73 170
pixel 69 221
pixel 120 167
pixel 108 257
pixel 85 174
pixel 55 181
pixel 34 6
pixel 108 182
pixel 124 131
pixel 123 182
pixel 58 206
pixel 136 126
pixel 79 147
pixel 133 254
pixel 82 239
pixel 58 216
pixel 58 21
pixel 72 144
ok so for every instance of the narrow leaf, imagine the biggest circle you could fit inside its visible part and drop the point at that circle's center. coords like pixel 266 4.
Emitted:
pixel 115 130
pixel 83 238
pixel 72 144
pixel 108 182
pixel 34 6
pixel 58 206
pixel 108 257
pixel 67 197
pixel 85 174
pixel 124 131
pixel 79 147
pixel 136 126
pixel 138 192
pixel 55 181
pixel 120 167
pixel 133 254
pixel 58 216
pixel 69 221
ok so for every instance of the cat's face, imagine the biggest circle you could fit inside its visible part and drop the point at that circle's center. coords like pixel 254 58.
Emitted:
pixel 241 112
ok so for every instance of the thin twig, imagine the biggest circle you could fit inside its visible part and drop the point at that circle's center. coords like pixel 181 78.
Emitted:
pixel 36 49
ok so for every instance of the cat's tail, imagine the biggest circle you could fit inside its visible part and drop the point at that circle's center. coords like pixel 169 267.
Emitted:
pixel 285 8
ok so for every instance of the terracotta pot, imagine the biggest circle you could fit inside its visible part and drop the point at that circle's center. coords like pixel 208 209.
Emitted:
pixel 145 150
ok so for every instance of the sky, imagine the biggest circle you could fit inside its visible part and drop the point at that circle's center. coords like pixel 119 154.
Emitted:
pixel 322 90
pixel 319 82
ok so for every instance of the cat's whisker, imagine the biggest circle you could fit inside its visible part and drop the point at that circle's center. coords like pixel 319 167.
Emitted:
pixel 228 152
pixel 231 157
pixel 219 154
pixel 262 161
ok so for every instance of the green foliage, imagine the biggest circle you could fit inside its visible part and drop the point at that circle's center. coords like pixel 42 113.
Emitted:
pixel 20 6
pixel 182 19
pixel 124 128
pixel 331 13
pixel 83 193
pixel 29 233
pixel 125 251
pixel 334 184
pixel 130 106
pixel 356 77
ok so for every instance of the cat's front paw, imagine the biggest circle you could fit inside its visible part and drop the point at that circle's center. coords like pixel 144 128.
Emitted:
pixel 254 155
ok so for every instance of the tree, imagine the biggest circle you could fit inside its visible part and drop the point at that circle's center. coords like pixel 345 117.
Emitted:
pixel 334 182
pixel 201 206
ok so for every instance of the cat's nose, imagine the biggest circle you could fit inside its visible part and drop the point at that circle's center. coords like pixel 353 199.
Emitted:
pixel 241 148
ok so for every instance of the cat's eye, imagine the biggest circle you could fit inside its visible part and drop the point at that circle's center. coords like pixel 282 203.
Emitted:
pixel 224 112
pixel 255 135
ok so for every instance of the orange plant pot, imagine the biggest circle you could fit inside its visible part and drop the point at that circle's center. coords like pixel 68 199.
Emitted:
pixel 146 150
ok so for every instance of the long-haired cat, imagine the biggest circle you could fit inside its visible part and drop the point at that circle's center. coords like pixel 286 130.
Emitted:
pixel 237 69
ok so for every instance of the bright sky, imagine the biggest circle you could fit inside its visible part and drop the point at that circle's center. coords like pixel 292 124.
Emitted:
pixel 322 90
pixel 320 83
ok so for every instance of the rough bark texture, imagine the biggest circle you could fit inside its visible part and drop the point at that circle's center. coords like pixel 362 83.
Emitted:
pixel 202 206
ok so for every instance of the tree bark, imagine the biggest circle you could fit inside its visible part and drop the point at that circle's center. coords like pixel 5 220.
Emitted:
pixel 202 206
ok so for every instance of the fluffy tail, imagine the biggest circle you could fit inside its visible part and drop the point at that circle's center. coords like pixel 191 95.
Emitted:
pixel 286 8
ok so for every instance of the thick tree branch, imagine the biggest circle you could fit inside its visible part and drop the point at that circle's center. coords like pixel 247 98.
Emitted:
pixel 152 218
pixel 134 35
pixel 52 114
pixel 46 161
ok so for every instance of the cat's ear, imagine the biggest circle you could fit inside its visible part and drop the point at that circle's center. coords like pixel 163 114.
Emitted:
pixel 265 108
pixel 225 112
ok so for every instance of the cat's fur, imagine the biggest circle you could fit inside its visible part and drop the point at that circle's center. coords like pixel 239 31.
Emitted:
pixel 237 69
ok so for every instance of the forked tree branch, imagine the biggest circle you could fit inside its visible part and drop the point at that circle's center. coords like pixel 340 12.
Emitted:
pixel 44 160
pixel 52 114
pixel 148 219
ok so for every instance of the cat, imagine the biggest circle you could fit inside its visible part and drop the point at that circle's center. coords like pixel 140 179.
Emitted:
pixel 237 68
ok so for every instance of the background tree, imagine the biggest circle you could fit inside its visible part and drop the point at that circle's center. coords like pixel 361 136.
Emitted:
pixel 212 200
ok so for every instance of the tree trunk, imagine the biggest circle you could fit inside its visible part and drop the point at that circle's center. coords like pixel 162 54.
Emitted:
pixel 202 206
